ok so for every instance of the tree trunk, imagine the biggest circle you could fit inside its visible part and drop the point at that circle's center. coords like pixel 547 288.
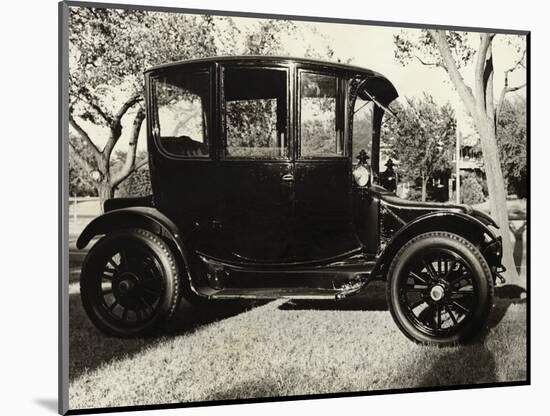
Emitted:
pixel 106 191
pixel 497 193
pixel 481 109
pixel 424 186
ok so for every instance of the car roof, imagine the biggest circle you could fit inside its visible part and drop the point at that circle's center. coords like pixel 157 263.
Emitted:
pixel 260 58
pixel 390 92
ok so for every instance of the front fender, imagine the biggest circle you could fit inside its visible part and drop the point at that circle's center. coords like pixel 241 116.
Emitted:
pixel 465 225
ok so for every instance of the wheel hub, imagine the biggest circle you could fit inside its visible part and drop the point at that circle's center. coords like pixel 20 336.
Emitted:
pixel 437 293
pixel 125 286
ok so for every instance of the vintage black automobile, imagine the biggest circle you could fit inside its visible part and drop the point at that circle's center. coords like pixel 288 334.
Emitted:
pixel 266 184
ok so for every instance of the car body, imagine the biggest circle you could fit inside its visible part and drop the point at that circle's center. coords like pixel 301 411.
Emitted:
pixel 265 175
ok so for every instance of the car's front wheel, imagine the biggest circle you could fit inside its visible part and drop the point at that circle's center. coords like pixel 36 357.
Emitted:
pixel 440 289
pixel 129 283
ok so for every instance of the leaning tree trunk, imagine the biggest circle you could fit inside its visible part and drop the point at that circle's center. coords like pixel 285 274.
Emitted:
pixel 106 191
pixel 481 108
pixel 497 193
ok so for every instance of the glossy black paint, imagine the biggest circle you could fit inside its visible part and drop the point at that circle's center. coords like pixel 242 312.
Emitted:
pixel 296 223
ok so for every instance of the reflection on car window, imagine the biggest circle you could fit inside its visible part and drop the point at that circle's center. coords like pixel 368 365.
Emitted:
pixel 182 108
pixel 320 135
pixel 255 113
pixel 362 127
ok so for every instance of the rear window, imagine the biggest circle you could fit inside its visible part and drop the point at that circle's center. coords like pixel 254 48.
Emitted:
pixel 182 107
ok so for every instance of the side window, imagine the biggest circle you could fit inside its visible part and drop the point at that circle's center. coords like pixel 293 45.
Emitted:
pixel 255 113
pixel 362 127
pixel 183 104
pixel 320 128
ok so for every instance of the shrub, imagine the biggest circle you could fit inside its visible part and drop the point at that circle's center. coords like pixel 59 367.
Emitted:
pixel 137 184
pixel 471 190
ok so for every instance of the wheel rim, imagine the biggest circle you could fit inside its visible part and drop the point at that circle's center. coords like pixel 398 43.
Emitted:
pixel 438 292
pixel 128 286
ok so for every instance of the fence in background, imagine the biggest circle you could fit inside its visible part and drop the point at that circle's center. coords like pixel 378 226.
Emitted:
pixel 83 208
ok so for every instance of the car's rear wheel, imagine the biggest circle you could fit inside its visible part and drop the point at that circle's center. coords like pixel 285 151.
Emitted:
pixel 440 289
pixel 129 283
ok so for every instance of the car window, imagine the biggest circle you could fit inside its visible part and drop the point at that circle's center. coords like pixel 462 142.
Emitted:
pixel 362 127
pixel 182 101
pixel 320 132
pixel 255 102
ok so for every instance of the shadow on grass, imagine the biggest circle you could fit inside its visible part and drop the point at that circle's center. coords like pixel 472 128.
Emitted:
pixel 473 364
pixel 373 298
pixel 246 390
pixel 89 348
pixel 504 297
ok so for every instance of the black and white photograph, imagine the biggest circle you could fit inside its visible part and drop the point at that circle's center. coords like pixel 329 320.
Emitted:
pixel 270 208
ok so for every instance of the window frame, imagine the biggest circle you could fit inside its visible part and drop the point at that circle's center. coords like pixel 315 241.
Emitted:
pixel 352 131
pixel 341 114
pixel 222 116
pixel 155 122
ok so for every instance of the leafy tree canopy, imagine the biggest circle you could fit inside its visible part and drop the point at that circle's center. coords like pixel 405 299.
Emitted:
pixel 421 138
pixel 512 144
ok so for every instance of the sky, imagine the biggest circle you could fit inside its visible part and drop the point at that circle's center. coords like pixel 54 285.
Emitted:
pixel 373 47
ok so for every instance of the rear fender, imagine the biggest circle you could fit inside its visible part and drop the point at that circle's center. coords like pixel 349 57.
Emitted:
pixel 146 218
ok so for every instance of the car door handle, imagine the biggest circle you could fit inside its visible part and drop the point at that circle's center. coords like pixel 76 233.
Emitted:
pixel 288 177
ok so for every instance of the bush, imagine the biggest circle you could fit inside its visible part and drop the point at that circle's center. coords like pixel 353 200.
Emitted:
pixel 471 190
pixel 137 184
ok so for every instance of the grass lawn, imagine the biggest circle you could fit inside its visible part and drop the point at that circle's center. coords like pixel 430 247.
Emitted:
pixel 282 348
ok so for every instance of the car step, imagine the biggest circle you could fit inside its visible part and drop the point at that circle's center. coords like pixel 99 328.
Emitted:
pixel 276 293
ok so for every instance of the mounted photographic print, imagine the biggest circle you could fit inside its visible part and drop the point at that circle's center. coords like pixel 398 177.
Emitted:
pixel 263 208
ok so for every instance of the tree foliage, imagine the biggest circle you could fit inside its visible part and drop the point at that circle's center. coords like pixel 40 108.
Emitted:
pixel 512 144
pixel 423 48
pixel 421 139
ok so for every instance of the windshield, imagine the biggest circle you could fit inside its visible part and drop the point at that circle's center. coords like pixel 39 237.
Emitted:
pixel 362 127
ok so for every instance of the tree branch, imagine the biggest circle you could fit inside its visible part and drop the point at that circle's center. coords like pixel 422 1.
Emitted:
pixel 481 77
pixel 87 141
pixel 506 89
pixel 116 123
pixel 518 63
pixel 449 64
pixel 130 162
pixel 517 87
pixel 88 98
pixel 126 106
pixel 426 63
pixel 141 164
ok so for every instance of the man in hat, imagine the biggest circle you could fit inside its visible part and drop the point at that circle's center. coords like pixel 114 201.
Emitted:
pixel 388 178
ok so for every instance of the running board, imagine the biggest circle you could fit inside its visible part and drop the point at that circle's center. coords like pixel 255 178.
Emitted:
pixel 353 266
pixel 277 293
pixel 283 292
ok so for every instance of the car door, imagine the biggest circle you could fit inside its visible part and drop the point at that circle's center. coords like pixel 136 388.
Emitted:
pixel 256 165
pixel 323 218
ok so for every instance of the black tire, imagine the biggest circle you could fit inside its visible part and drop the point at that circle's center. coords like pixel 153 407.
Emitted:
pixel 440 289
pixel 129 283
